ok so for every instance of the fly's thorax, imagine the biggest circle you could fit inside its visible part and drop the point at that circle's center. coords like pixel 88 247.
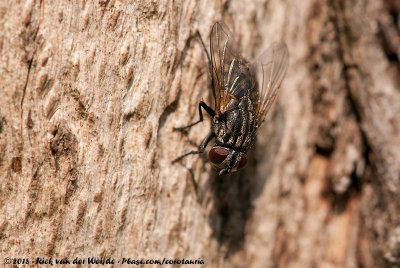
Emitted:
pixel 236 128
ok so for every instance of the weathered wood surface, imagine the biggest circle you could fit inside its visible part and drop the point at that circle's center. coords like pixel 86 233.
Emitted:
pixel 90 92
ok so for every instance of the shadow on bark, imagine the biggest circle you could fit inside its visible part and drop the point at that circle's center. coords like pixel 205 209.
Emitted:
pixel 233 196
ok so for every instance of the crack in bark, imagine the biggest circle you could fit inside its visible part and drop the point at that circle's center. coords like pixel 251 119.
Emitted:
pixel 371 165
pixel 30 61
pixel 354 105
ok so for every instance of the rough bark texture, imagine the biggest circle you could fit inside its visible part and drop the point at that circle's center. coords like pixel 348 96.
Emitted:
pixel 90 92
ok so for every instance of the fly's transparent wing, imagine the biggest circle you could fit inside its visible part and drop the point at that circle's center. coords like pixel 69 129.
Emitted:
pixel 271 68
pixel 229 69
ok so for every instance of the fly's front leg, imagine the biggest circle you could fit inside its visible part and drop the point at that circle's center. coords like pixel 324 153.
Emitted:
pixel 208 55
pixel 202 147
pixel 203 105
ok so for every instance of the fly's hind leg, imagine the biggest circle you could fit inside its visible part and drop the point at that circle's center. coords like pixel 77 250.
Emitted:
pixel 203 105
pixel 202 147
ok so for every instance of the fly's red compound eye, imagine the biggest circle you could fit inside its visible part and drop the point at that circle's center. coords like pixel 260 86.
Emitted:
pixel 243 161
pixel 218 155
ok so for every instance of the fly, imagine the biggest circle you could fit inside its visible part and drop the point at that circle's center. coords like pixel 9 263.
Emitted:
pixel 243 94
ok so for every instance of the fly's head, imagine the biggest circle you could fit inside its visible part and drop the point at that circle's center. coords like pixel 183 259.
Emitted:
pixel 226 160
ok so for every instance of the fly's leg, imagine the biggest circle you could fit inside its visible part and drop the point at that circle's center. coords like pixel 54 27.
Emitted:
pixel 205 50
pixel 203 105
pixel 202 147
pixel 206 108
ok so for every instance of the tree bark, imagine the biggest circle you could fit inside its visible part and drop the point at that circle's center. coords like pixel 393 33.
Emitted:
pixel 91 92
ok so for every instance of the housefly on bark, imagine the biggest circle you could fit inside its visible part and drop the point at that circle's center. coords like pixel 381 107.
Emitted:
pixel 243 94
